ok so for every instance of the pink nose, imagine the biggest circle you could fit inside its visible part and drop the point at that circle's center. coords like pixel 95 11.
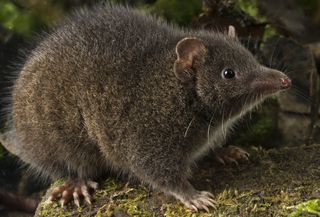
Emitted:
pixel 285 83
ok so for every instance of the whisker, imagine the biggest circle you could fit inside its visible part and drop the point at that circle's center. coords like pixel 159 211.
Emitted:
pixel 209 126
pixel 244 106
pixel 189 125
pixel 225 134
pixel 288 72
pixel 222 124
pixel 274 49
pixel 284 69
pixel 302 95
pixel 281 64
pixel 295 87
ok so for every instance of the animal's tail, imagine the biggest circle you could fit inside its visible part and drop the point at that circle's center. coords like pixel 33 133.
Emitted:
pixel 16 202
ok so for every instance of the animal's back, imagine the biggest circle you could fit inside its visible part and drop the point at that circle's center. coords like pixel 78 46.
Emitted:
pixel 91 63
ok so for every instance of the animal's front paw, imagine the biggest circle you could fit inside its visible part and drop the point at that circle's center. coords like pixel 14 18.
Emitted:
pixel 230 154
pixel 202 200
pixel 73 189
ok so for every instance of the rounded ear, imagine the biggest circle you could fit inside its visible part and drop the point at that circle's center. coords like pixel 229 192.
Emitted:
pixel 232 32
pixel 189 50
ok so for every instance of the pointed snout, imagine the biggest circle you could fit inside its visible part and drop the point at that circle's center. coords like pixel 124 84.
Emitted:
pixel 285 83
pixel 277 77
pixel 270 81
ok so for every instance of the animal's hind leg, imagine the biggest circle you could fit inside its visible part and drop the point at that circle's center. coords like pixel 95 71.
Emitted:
pixel 230 154
pixel 73 188
pixel 82 169
pixel 79 164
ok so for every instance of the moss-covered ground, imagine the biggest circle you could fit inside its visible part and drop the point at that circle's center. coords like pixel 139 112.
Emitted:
pixel 276 182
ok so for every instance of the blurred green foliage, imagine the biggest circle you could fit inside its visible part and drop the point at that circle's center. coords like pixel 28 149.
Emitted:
pixel 14 18
pixel 250 7
pixel 29 16
pixel 259 133
pixel 176 11
pixel 260 127
pixel 309 7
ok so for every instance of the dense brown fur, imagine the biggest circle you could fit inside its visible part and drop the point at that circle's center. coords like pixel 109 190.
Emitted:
pixel 101 92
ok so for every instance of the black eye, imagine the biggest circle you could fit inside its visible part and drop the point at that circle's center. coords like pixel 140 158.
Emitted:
pixel 228 73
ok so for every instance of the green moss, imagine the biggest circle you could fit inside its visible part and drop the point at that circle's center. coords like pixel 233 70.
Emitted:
pixel 53 210
pixel 131 200
pixel 58 183
pixel 311 207
pixel 231 201
pixel 271 184
pixel 173 210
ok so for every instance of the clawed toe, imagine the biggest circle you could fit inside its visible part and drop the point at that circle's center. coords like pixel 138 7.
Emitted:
pixel 76 197
pixel 238 153
pixel 231 155
pixel 75 190
pixel 201 201
pixel 85 193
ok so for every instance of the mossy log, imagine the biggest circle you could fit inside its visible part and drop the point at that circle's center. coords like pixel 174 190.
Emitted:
pixel 273 183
